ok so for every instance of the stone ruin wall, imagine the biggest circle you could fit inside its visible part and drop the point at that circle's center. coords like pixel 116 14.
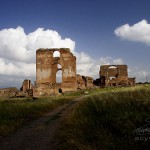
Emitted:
pixel 84 82
pixel 25 91
pixel 46 69
pixel 8 92
pixel 26 86
pixel 115 75
pixel 81 82
pixel 89 82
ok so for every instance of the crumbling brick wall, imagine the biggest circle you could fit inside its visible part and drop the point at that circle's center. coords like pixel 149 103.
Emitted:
pixel 26 85
pixel 89 82
pixel 8 92
pixel 81 82
pixel 47 67
pixel 115 75
pixel 26 89
pixel 131 81
pixel 84 82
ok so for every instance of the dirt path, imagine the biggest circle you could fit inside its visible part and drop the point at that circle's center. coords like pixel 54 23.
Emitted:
pixel 39 134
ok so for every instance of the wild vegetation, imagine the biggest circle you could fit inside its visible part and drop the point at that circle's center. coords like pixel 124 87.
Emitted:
pixel 16 112
pixel 110 119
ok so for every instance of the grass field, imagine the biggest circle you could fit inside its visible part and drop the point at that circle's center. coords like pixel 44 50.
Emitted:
pixel 109 119
pixel 17 112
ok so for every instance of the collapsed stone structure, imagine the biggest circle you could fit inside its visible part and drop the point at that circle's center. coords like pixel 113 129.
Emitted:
pixel 25 91
pixel 26 85
pixel 84 82
pixel 47 66
pixel 8 92
pixel 114 75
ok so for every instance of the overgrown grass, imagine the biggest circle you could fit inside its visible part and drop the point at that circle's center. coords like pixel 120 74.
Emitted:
pixel 16 112
pixel 108 120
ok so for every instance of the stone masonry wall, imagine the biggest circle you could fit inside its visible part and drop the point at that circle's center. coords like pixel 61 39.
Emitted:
pixel 47 67
pixel 115 75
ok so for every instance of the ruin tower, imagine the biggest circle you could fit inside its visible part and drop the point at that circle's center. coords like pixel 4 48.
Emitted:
pixel 47 66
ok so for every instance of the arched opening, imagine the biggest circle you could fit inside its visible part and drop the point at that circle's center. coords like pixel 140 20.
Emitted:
pixel 59 66
pixel 112 72
pixel 56 54
pixel 112 67
pixel 59 74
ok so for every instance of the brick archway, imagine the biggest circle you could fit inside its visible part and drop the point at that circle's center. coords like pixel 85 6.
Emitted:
pixel 46 68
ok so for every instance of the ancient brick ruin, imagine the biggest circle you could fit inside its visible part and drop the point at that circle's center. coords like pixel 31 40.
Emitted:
pixel 26 85
pixel 26 89
pixel 8 92
pixel 47 66
pixel 114 75
pixel 47 83
pixel 84 82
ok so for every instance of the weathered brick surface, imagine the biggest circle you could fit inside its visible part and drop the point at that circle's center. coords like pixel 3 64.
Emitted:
pixel 115 75
pixel 46 68
pixel 26 85
pixel 8 92
pixel 84 82
pixel 81 82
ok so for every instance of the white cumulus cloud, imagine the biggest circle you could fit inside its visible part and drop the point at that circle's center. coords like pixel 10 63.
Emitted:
pixel 118 61
pixel 139 32
pixel 90 67
pixel 141 75
pixel 16 45
pixel 18 51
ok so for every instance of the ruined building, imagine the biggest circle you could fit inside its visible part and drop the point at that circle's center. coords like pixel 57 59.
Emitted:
pixel 8 92
pixel 84 82
pixel 26 85
pixel 26 89
pixel 47 67
pixel 114 75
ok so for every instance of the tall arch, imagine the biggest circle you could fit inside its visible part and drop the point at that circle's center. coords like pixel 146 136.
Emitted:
pixel 112 71
pixel 49 72
pixel 59 74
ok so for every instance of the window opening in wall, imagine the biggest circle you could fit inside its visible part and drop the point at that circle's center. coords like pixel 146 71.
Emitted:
pixel 112 67
pixel 112 78
pixel 59 67
pixel 59 76
pixel 112 71
pixel 56 54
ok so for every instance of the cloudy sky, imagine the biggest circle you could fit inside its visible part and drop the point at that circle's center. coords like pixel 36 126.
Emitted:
pixel 98 32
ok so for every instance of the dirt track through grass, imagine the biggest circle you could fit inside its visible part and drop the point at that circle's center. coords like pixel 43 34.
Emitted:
pixel 38 135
